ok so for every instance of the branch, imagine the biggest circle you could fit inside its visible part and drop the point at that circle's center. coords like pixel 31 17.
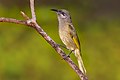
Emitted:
pixel 11 20
pixel 32 10
pixel 32 23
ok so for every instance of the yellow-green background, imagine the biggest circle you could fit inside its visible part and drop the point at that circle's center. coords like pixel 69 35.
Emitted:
pixel 25 55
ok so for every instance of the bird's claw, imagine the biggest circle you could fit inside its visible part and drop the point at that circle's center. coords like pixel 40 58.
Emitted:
pixel 65 57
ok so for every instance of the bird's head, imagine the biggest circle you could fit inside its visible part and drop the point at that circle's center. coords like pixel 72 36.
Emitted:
pixel 63 14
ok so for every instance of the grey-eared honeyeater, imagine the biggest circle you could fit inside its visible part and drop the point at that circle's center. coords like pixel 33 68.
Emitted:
pixel 69 36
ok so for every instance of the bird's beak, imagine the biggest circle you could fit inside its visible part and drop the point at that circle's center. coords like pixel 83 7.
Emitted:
pixel 56 10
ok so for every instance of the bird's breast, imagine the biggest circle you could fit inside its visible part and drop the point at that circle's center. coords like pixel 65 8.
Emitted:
pixel 66 37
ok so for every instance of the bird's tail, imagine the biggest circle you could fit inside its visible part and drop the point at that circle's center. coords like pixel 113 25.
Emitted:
pixel 80 62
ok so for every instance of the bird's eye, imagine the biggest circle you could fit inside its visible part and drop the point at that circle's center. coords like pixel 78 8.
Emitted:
pixel 63 15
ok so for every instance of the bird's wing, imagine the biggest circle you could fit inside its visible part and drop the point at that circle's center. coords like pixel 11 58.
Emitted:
pixel 74 36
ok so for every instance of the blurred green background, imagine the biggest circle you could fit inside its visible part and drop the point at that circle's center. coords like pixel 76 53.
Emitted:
pixel 25 55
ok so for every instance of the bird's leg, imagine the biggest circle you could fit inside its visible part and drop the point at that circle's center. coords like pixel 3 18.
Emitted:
pixel 68 55
pixel 63 46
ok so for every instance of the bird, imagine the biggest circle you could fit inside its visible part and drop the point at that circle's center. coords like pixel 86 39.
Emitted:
pixel 68 35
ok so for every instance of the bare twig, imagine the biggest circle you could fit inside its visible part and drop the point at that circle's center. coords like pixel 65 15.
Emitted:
pixel 32 23
pixel 32 10
pixel 24 15
pixel 11 20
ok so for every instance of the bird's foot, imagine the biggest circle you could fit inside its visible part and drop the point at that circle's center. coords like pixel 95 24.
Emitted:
pixel 65 57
